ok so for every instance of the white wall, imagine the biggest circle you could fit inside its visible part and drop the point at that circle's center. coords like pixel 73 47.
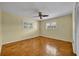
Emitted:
pixel 63 30
pixel 0 32
pixel 13 30
pixel 77 29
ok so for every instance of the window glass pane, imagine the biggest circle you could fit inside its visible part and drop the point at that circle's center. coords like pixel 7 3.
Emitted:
pixel 51 25
pixel 28 25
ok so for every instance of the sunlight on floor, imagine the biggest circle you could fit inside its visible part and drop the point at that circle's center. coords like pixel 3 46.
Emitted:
pixel 51 50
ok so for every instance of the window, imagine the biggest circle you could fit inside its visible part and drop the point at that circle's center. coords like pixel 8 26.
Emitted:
pixel 28 25
pixel 51 25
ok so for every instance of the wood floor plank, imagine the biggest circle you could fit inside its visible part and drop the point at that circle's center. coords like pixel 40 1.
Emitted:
pixel 38 46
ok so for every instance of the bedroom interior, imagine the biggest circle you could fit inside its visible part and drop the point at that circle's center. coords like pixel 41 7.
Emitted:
pixel 37 29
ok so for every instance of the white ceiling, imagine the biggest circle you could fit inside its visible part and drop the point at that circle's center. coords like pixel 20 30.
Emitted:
pixel 31 9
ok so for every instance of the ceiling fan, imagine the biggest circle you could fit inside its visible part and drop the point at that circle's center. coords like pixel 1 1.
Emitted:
pixel 41 15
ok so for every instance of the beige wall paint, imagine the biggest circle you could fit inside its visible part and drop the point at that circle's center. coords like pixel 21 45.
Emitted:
pixel 0 32
pixel 63 30
pixel 13 30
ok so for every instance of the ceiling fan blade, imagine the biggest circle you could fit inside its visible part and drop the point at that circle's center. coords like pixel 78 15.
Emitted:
pixel 40 15
pixel 44 15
